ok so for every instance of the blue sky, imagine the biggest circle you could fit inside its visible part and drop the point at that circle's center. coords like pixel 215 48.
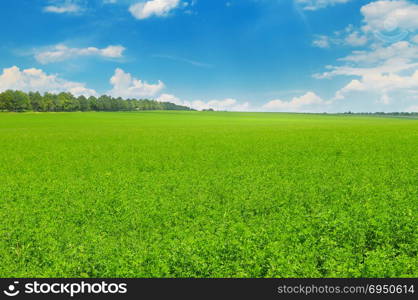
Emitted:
pixel 246 55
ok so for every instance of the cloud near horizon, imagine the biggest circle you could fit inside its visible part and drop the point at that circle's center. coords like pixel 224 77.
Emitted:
pixel 309 102
pixel 123 84
pixel 127 86
pixel 37 80
pixel 228 104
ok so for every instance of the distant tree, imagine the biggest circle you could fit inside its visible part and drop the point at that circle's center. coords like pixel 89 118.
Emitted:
pixel 6 100
pixel 58 101
pixel 36 101
pixel 49 102
pixel 107 102
pixel 93 103
pixel 65 101
pixel 101 103
pixel 84 103
pixel 69 102
pixel 20 101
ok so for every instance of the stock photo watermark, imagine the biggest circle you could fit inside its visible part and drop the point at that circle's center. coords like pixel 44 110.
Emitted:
pixel 391 32
pixel 64 288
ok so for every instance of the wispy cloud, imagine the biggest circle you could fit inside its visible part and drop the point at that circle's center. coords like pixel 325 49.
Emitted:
pixel 184 60
pixel 318 4
pixel 63 7
pixel 350 36
pixel 61 52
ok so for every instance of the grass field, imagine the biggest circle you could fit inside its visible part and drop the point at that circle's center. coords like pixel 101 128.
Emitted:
pixel 195 194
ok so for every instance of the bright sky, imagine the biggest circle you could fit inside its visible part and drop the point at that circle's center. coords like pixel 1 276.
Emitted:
pixel 239 55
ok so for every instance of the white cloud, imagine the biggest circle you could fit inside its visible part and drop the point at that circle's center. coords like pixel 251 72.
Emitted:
pixel 413 108
pixel 400 50
pixel 169 98
pixel 126 86
pixel 380 71
pixel 37 80
pixel 388 15
pixel 355 39
pixel 322 41
pixel 309 102
pixel 380 83
pixel 347 37
pixel 66 8
pixel 383 61
pixel 62 52
pixel 384 99
pixel 317 4
pixel 227 104
pixel 159 8
pixel 385 73
pixel 184 60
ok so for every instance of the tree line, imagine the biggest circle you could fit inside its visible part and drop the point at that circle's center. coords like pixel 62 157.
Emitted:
pixel 378 113
pixel 18 101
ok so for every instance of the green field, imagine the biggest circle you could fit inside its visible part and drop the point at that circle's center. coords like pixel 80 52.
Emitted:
pixel 207 194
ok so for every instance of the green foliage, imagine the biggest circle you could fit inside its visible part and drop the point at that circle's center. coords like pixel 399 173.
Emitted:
pixel 36 101
pixel 20 101
pixel 207 194
pixel 14 101
pixel 6 100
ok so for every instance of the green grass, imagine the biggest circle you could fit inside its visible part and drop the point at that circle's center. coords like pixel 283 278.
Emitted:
pixel 192 194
